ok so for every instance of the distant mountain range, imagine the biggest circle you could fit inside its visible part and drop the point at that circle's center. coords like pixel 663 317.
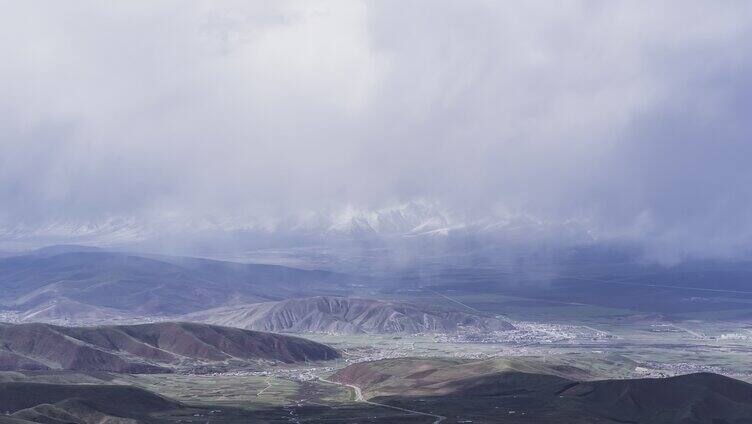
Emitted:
pixel 75 285
pixel 65 311
pixel 49 281
pixel 410 220
pixel 342 315
pixel 83 285
pixel 145 348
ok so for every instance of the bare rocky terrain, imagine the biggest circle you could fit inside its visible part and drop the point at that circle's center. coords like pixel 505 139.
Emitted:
pixel 343 315
pixel 145 348
pixel 62 310
pixel 91 337
pixel 521 393
pixel 105 283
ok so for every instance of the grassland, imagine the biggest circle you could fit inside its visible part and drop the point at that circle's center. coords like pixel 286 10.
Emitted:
pixel 239 391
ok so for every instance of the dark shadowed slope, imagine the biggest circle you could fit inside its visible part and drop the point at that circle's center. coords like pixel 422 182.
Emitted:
pixel 481 392
pixel 692 398
pixel 55 403
pixel 145 348
pixel 327 314
pixel 152 285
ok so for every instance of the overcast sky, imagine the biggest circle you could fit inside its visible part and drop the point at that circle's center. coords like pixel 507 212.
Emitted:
pixel 631 118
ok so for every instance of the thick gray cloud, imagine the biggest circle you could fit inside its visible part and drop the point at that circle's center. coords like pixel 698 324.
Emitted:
pixel 628 118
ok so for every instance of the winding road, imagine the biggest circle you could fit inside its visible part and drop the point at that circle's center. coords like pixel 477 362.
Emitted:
pixel 359 398
pixel 268 385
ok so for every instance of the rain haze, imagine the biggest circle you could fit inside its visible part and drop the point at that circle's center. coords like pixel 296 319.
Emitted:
pixel 393 212
pixel 618 121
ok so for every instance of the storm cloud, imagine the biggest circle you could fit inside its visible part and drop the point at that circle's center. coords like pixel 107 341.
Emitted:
pixel 631 119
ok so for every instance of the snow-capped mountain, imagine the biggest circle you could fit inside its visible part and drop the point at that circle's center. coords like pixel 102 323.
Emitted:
pixel 406 219
pixel 108 231
pixel 418 220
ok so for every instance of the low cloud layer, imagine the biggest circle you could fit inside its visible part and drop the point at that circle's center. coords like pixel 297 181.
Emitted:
pixel 628 118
